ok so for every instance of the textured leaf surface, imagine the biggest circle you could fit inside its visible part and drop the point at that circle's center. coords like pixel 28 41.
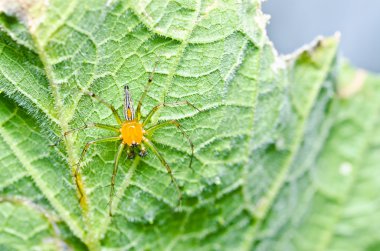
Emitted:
pixel 332 199
pixel 263 135
pixel 23 227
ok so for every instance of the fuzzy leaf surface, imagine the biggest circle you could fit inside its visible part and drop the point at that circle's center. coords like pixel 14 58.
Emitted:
pixel 257 127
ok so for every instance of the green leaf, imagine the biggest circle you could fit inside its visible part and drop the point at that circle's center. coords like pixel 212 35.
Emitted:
pixel 331 194
pixel 23 226
pixel 263 131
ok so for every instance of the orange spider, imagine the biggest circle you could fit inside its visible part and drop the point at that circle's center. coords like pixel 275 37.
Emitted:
pixel 132 134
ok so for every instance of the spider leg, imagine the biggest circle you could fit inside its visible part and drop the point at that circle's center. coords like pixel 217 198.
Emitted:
pixel 94 125
pixel 84 151
pixel 159 106
pixel 111 107
pixel 151 146
pixel 147 86
pixel 114 172
pixel 178 125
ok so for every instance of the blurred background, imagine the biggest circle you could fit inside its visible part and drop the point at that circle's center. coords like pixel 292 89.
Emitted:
pixel 294 23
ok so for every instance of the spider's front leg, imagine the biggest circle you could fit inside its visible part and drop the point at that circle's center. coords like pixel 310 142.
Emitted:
pixel 111 107
pixel 147 86
pixel 159 106
pixel 94 125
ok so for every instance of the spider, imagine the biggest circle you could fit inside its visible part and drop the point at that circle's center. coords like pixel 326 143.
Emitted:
pixel 132 134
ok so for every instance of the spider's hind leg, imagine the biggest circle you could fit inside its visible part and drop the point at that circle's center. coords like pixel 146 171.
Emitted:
pixel 114 172
pixel 151 146
pixel 178 125
pixel 76 173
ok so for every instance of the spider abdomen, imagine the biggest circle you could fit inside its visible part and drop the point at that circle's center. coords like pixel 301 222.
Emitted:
pixel 132 133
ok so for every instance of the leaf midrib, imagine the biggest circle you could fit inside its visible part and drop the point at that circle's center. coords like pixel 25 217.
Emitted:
pixel 274 189
pixel 63 124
